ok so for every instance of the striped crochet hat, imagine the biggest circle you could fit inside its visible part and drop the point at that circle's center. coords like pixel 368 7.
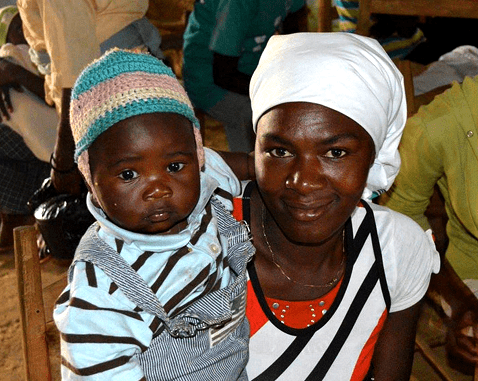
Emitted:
pixel 122 84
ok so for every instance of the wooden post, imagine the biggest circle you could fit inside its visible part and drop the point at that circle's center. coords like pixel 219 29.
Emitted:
pixel 32 313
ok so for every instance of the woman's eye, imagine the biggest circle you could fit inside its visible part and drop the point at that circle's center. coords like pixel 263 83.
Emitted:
pixel 128 174
pixel 335 153
pixel 279 152
pixel 175 167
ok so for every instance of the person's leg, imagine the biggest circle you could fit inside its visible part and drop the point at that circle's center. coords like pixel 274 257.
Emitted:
pixel 235 113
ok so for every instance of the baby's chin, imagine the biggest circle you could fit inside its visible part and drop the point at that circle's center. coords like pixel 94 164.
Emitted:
pixel 158 230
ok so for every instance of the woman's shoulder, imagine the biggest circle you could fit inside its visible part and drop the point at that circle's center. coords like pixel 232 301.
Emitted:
pixel 399 234
pixel 388 218
pixel 409 256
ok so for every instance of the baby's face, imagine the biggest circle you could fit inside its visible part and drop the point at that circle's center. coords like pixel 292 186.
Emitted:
pixel 145 172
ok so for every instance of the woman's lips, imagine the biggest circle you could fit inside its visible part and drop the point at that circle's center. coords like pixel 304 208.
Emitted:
pixel 307 212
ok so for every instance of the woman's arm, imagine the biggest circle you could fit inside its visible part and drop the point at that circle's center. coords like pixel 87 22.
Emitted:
pixel 64 174
pixel 241 163
pixel 393 356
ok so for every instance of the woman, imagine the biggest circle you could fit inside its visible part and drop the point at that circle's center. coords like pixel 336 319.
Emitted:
pixel 337 281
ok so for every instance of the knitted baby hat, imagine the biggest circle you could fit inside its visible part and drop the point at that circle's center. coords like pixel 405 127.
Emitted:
pixel 122 84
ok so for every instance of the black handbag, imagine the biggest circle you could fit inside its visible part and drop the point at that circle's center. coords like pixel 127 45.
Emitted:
pixel 62 219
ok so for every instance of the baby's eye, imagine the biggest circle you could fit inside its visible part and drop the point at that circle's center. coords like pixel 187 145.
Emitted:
pixel 175 167
pixel 335 153
pixel 279 152
pixel 128 174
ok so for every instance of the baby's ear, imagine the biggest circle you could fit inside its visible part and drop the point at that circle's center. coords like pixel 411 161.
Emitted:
pixel 94 200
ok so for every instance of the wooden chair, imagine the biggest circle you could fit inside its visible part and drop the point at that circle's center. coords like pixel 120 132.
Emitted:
pixel 325 14
pixel 425 8
pixel 422 8
pixel 36 304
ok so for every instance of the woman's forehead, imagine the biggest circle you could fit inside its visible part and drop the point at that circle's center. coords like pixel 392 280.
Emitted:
pixel 299 116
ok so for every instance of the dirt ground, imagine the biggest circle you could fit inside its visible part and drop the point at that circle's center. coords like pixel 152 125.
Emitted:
pixel 11 360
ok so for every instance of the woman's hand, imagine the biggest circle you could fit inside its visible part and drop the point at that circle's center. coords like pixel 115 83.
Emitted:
pixel 15 77
pixel 8 80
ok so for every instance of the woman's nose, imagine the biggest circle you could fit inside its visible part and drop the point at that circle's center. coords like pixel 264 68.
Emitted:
pixel 306 177
pixel 157 188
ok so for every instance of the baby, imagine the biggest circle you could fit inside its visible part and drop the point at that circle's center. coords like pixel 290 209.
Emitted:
pixel 157 286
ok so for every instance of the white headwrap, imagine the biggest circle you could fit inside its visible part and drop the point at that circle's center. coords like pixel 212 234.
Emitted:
pixel 346 72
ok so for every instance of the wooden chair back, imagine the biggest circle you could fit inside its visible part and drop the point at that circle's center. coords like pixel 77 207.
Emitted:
pixel 325 14
pixel 35 304
pixel 427 8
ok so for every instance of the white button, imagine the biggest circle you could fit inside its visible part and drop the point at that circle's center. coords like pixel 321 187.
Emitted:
pixel 324 311
pixel 469 134
pixel 214 248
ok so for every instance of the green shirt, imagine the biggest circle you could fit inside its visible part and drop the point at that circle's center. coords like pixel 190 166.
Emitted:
pixel 440 146
pixel 235 28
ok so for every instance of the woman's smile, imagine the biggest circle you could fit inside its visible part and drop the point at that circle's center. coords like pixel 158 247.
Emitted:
pixel 309 211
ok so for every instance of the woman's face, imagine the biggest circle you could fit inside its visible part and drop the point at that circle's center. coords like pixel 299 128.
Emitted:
pixel 312 165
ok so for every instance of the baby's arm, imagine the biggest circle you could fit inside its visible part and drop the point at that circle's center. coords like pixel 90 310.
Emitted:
pixel 100 335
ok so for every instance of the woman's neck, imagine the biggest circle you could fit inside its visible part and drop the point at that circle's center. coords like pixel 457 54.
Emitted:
pixel 290 270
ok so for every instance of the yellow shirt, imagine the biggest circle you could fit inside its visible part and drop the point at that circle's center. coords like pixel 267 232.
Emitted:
pixel 71 32
pixel 440 146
